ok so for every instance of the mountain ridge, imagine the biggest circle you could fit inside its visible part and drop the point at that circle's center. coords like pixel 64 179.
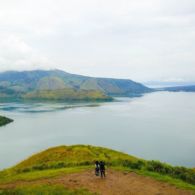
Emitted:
pixel 19 83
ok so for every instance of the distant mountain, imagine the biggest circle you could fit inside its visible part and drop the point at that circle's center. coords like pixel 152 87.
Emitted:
pixel 57 84
pixel 190 88
pixel 166 84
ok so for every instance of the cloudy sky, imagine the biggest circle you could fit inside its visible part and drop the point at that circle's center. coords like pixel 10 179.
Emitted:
pixel 139 39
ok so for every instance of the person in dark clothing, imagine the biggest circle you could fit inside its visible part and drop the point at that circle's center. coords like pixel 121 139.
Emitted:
pixel 97 168
pixel 102 169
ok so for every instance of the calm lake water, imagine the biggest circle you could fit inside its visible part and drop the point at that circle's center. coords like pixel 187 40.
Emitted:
pixel 159 126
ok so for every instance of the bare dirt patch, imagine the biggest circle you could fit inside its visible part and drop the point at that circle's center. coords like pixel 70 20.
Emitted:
pixel 115 183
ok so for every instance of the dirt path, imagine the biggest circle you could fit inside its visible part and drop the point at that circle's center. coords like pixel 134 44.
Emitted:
pixel 116 183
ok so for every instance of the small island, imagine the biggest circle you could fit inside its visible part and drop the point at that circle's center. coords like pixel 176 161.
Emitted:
pixel 4 120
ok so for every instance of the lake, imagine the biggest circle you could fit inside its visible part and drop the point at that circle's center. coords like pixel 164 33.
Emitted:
pixel 158 126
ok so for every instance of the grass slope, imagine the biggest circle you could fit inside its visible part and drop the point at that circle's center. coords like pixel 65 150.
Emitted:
pixel 69 159
pixel 67 94
pixel 72 156
pixel 4 120
pixel 44 189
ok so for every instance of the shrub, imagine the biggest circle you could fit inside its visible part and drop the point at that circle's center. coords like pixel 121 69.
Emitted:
pixel 133 165
pixel 159 167
pixel 185 174
pixel 40 167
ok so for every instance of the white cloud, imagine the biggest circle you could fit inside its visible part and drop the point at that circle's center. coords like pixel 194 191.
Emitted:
pixel 17 54
pixel 138 39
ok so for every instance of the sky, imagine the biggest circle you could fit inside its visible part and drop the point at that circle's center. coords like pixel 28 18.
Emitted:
pixel 143 40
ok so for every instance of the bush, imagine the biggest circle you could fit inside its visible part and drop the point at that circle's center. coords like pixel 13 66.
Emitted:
pixel 159 167
pixel 40 167
pixel 133 165
pixel 185 174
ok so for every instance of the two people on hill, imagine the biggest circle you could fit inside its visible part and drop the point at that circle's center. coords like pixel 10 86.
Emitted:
pixel 100 169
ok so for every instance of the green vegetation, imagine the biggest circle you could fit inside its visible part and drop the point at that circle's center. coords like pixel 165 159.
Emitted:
pixel 185 174
pixel 160 177
pixel 4 120
pixel 69 159
pixel 67 94
pixel 51 83
pixel 7 176
pixel 45 189
pixel 181 173
pixel 72 156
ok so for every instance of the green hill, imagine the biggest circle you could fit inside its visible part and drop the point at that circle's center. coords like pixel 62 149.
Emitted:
pixel 67 94
pixel 72 156
pixel 4 120
pixel 64 160
pixel 20 84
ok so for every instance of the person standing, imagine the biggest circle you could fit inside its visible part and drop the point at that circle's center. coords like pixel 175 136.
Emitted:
pixel 102 169
pixel 97 168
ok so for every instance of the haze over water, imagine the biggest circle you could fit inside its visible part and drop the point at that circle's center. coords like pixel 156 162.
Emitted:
pixel 158 126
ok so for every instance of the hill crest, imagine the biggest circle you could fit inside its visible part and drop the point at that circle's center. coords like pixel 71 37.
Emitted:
pixel 74 164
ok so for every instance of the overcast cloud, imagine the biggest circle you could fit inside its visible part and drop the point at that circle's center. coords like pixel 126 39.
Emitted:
pixel 137 39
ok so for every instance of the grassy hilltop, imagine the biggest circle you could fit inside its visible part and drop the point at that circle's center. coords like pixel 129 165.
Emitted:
pixel 4 121
pixel 29 175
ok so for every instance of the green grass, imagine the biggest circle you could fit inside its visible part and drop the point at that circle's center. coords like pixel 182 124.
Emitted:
pixel 8 176
pixel 43 189
pixel 4 121
pixel 71 156
pixel 67 94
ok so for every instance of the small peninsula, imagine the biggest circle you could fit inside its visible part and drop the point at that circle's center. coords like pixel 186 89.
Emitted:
pixel 4 120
